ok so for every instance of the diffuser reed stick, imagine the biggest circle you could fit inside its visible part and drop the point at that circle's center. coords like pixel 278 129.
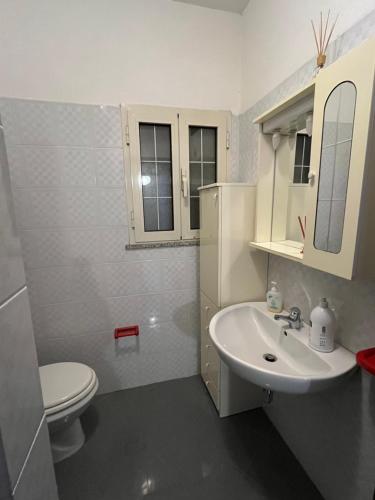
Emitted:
pixel 323 37
pixel 303 229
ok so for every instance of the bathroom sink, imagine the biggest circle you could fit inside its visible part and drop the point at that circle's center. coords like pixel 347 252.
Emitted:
pixel 269 354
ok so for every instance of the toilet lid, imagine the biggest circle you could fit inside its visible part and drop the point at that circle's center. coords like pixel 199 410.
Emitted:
pixel 63 381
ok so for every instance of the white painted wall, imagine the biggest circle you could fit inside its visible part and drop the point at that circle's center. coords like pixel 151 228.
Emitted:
pixel 97 51
pixel 278 39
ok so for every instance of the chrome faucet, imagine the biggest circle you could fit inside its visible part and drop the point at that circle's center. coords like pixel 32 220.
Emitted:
pixel 294 318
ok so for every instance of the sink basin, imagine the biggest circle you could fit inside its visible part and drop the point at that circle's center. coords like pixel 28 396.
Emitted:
pixel 261 350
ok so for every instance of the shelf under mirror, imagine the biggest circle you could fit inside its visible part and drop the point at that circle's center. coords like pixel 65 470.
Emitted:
pixel 286 248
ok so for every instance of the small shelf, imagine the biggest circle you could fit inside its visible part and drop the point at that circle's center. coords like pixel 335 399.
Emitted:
pixel 287 248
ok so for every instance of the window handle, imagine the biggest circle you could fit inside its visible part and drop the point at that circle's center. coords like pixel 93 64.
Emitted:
pixel 184 185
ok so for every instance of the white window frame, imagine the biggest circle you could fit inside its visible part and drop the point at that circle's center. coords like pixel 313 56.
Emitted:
pixel 198 118
pixel 180 120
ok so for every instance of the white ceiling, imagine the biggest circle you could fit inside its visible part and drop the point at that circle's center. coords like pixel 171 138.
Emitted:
pixel 237 6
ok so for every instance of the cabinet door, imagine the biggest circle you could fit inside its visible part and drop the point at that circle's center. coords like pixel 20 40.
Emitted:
pixel 209 243
pixel 342 120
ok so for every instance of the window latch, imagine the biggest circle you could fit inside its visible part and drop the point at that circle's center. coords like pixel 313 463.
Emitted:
pixel 184 185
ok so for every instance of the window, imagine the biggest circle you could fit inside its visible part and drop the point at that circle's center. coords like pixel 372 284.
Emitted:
pixel 157 176
pixel 302 159
pixel 172 153
pixel 202 165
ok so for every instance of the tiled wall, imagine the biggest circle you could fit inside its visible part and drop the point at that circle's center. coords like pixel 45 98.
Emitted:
pixel 66 163
pixel 331 432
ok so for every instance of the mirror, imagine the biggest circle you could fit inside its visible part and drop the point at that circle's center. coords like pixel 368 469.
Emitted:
pixel 334 167
pixel 292 166
pixel 298 184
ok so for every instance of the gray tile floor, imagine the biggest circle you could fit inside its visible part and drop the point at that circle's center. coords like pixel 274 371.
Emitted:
pixel 166 442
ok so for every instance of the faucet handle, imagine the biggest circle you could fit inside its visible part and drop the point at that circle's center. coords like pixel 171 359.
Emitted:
pixel 295 313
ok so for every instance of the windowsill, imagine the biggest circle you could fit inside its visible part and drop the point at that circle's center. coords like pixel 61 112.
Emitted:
pixel 162 244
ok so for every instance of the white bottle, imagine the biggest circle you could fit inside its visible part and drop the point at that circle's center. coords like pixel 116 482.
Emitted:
pixel 323 326
pixel 274 299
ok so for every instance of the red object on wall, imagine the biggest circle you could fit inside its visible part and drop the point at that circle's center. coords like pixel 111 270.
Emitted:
pixel 366 359
pixel 127 331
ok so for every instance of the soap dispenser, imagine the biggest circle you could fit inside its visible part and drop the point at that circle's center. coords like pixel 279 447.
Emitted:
pixel 323 326
pixel 274 299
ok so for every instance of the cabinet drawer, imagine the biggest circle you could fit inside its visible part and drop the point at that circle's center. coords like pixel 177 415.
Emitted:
pixel 208 311
pixel 213 364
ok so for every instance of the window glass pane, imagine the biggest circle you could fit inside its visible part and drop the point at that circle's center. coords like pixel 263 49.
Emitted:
pixel 297 175
pixel 150 212
pixel 299 149
pixel 195 143
pixel 209 144
pixel 305 175
pixel 209 173
pixel 148 171
pixel 165 214
pixel 307 151
pixel 202 166
pixel 302 159
pixel 163 142
pixel 195 178
pixel 165 179
pixel 147 140
pixel 194 213
pixel 157 176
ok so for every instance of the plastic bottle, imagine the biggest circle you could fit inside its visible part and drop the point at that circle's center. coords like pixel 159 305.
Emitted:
pixel 274 299
pixel 323 326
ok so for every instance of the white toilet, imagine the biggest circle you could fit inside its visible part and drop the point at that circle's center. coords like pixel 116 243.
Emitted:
pixel 68 389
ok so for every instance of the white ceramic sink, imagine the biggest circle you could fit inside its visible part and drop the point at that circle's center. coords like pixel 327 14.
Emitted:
pixel 244 333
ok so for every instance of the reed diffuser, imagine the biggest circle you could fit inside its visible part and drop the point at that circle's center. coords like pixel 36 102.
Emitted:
pixel 322 38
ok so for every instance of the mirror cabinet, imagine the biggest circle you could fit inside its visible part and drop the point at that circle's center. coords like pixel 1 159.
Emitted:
pixel 316 187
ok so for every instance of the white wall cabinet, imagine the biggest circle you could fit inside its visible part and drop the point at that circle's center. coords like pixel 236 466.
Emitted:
pixel 338 200
pixel 341 205
pixel 230 272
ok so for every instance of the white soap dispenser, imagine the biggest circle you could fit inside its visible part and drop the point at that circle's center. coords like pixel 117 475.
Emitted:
pixel 323 326
pixel 274 299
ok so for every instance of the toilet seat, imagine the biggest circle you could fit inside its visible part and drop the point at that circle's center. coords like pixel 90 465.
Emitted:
pixel 65 384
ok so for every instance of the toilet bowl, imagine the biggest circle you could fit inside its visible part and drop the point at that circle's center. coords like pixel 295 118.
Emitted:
pixel 67 389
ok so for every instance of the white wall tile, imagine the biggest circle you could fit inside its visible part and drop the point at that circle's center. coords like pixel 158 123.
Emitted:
pixel 38 123
pixel 50 284
pixel 107 127
pixel 77 167
pixel 75 124
pixel 87 282
pixel 11 121
pixel 68 180
pixel 84 245
pixel 21 397
pixel 47 208
pixel 133 278
pixel 113 241
pixel 109 167
pixel 37 481
pixel 112 207
pixel 179 274
pixel 81 208
pixel 43 248
pixel 57 320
